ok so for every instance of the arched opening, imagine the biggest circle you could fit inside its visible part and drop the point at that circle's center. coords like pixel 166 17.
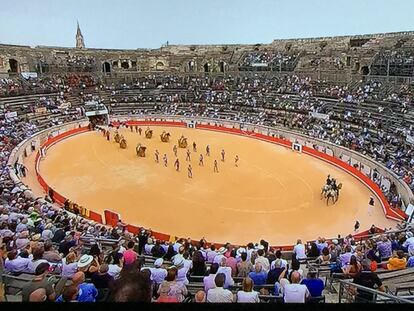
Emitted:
pixel 159 66
pixel 206 67
pixel 14 65
pixel 364 70
pixel 221 66
pixel 106 67
pixel 191 66
pixel 125 65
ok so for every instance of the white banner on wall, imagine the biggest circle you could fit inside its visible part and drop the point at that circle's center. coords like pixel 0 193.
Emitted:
pixel 318 115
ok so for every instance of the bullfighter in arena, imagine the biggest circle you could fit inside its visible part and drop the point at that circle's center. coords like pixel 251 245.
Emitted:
pixel 108 135
pixel 164 158
pixel 208 150
pixel 177 165
pixel 157 156
pixel 215 166
pixel 194 147
pixel 236 161
pixel 175 150
pixel 188 158
pixel 140 131
pixel 201 162
pixel 222 155
pixel 190 171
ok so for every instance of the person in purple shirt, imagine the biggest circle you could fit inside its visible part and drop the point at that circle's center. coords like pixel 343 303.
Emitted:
pixel 384 247
pixel 346 257
pixel 209 280
pixel 258 276
pixel 17 264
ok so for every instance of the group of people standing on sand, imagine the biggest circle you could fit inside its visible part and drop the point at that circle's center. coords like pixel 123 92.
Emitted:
pixel 188 159
pixel 107 134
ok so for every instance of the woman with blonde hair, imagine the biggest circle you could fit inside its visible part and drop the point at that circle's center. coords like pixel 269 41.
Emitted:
pixel 247 294
pixel 69 264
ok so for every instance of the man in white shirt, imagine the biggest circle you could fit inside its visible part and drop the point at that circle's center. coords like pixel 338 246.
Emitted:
pixel 158 273
pixel 299 250
pixel 219 294
pixel 278 255
pixel 262 260
pixel 227 272
pixel 295 292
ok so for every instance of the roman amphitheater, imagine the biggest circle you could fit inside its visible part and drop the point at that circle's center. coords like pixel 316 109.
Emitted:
pixel 312 140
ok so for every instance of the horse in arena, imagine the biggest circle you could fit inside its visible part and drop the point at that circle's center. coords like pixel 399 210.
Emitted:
pixel 123 143
pixel 165 137
pixel 333 194
pixel 117 137
pixel 148 133
pixel 140 149
pixel 182 142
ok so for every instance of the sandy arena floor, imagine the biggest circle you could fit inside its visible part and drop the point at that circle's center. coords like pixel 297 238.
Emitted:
pixel 274 193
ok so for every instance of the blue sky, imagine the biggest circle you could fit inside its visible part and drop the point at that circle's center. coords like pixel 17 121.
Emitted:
pixel 130 24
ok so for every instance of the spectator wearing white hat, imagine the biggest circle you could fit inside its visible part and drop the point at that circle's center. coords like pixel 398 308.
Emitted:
pixel 158 273
pixel 181 269
pixel 220 254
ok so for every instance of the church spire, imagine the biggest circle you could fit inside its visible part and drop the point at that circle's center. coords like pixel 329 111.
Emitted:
pixel 80 44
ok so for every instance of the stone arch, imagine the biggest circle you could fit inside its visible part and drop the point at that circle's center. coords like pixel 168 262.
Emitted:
pixel 364 70
pixel 125 64
pixel 207 67
pixel 221 66
pixel 106 67
pixel 191 66
pixel 159 66
pixel 14 65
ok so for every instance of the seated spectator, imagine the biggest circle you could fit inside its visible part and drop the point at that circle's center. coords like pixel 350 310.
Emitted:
pixel 50 254
pixel 148 246
pixel 299 250
pixel 410 261
pixel 16 264
pixel 345 258
pixel 247 294
pixel 227 272
pixel 278 255
pixel 397 261
pixel 39 295
pixel 39 281
pixel 102 279
pixel 130 256
pixel 232 262
pixel 211 254
pixel 262 260
pixel 181 269
pixel 295 267
pixel 170 290
pixel 209 281
pixel 276 273
pixel 115 264
pixel 158 273
pixel 69 265
pixel 37 253
pixel 88 265
pixel 258 275
pixel 368 279
pixel 218 294
pixel 384 247
pixel 70 294
pixel 199 265
pixel 295 292
pixel 87 291
pixel 133 287
pixel 315 285
pixel 313 251
pixel 353 268
pixel 200 297
pixel 324 257
pixel 245 266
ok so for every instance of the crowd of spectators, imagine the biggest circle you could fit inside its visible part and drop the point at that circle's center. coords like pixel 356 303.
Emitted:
pixel 40 239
